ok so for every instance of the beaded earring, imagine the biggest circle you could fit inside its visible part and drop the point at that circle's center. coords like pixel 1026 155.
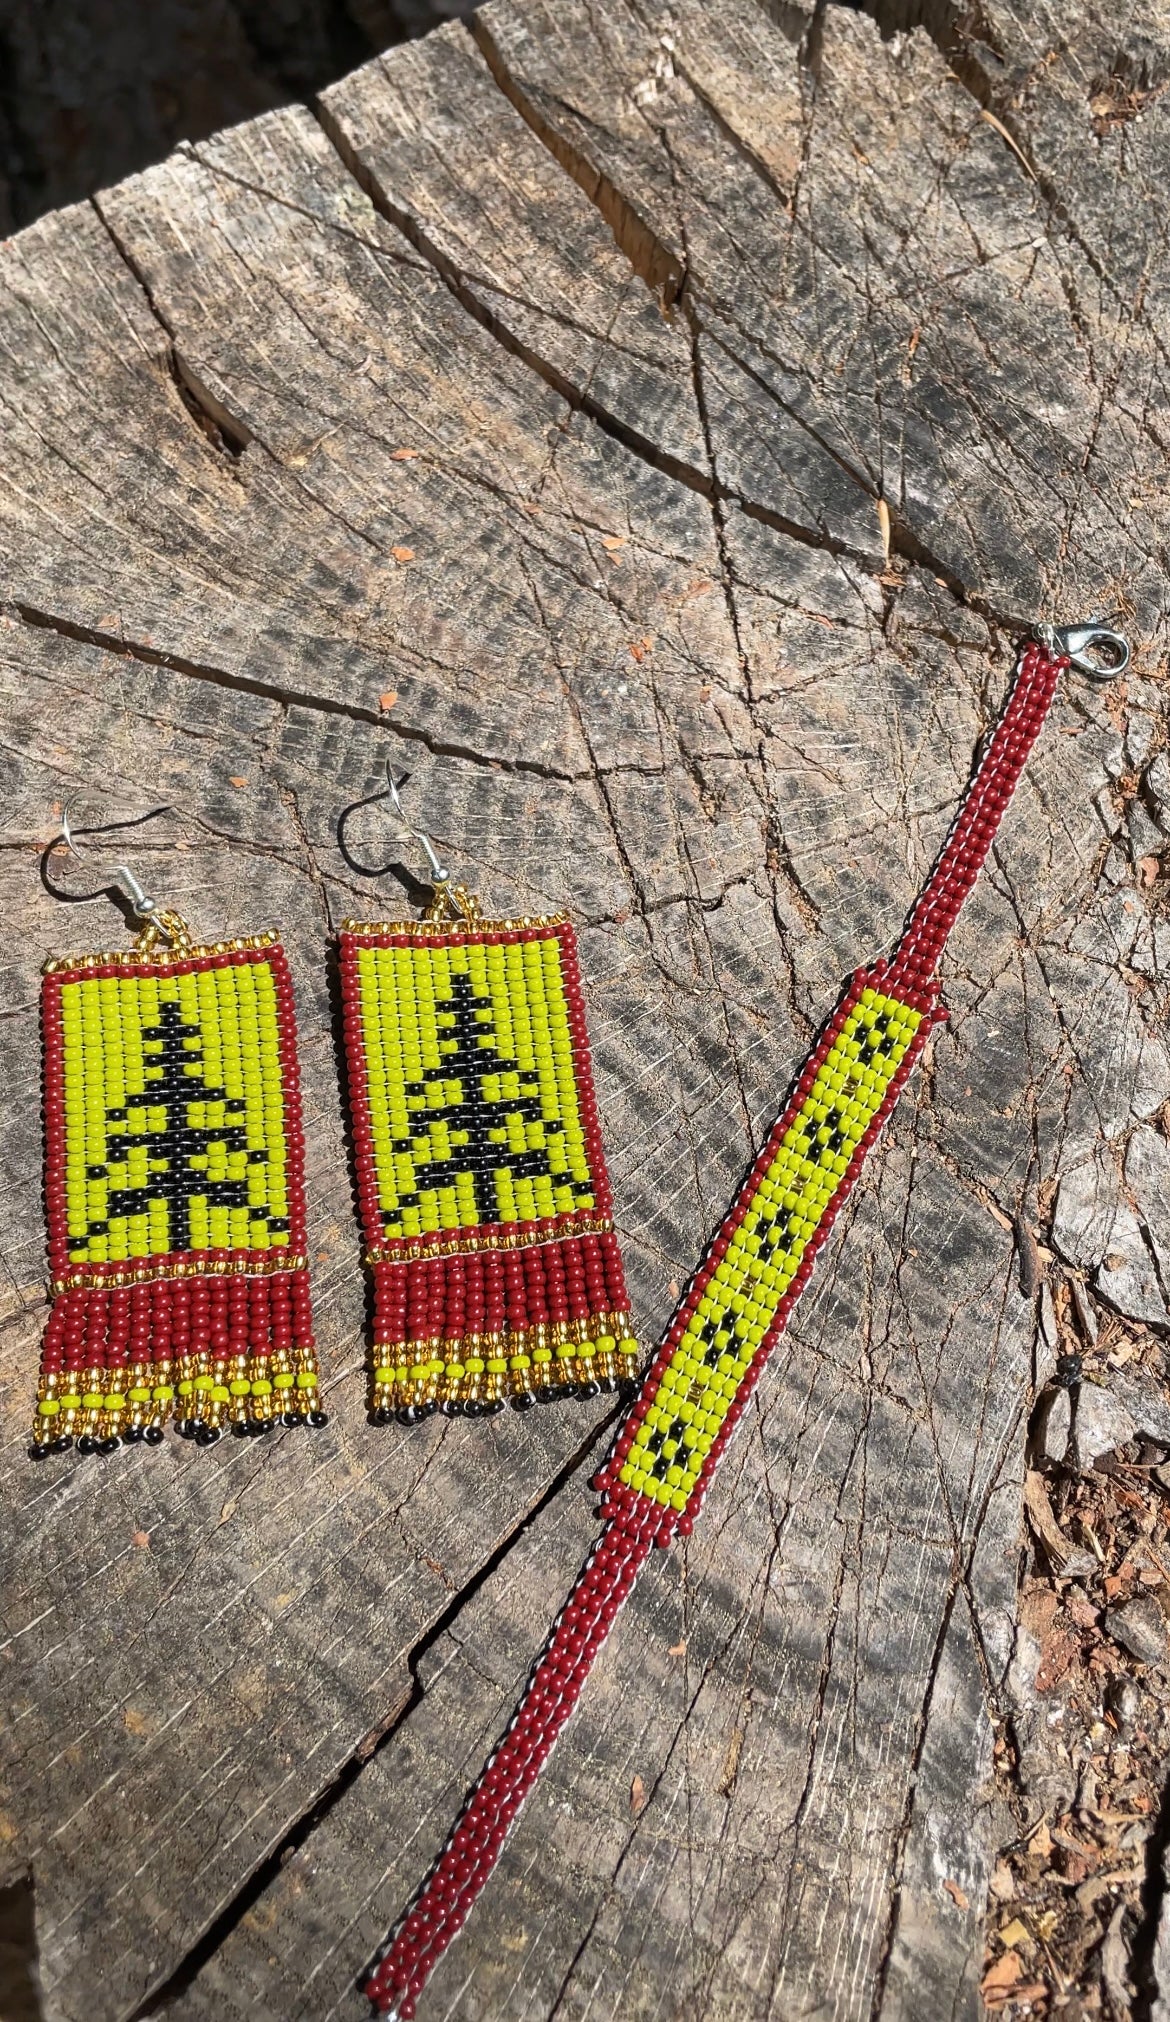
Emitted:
pixel 174 1191
pixel 481 1175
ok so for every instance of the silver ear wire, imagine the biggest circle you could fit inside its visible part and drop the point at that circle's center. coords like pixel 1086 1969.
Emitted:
pixel 145 908
pixel 440 875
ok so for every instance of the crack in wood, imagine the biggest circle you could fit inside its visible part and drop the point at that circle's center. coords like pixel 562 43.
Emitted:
pixel 168 1992
pixel 271 691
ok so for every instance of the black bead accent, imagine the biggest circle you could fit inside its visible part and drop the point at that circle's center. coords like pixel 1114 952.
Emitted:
pixel 174 1091
pixel 523 1400
pixel 132 1435
pixel 62 1444
pixel 206 1435
pixel 87 1444
pixel 240 1428
pixel 39 1452
pixel 382 1416
pixel 110 1445
pixel 587 1390
pixel 153 1435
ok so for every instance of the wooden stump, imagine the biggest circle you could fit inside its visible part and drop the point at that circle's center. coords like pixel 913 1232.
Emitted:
pixel 524 418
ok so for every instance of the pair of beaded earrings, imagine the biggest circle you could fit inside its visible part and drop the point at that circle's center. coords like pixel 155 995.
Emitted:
pixel 174 1176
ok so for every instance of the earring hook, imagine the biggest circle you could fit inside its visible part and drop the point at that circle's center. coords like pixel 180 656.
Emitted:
pixel 159 925
pixel 145 908
pixel 449 900
pixel 440 875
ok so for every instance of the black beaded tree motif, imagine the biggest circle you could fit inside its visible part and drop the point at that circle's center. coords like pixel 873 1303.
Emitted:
pixel 176 1142
pixel 475 1114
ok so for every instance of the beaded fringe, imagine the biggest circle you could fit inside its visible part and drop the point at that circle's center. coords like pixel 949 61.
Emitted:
pixel 213 1354
pixel 470 1333
pixel 481 1373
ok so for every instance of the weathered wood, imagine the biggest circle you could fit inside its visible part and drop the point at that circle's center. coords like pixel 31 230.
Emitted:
pixel 91 90
pixel 548 384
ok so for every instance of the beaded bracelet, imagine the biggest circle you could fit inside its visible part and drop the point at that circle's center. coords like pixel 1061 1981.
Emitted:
pixel 734 1311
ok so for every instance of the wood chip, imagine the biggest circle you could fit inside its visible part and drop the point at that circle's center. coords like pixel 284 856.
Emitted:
pixel 1114 1960
pixel 1028 1257
pixel 1100 1884
pixel 388 698
pixel 1000 1978
pixel 731 1763
pixel 1042 1518
pixel 637 1796
pixel 403 554
pixel 1003 133
pixel 885 530
pixel 958 1896
pixel 1059 1654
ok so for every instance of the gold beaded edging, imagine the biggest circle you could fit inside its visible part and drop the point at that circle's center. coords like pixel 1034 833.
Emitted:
pixel 430 930
pixel 234 1264
pixel 163 958
pixel 488 1369
pixel 132 1402
pixel 405 1252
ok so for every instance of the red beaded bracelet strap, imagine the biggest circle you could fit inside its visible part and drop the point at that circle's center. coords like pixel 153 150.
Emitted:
pixel 734 1311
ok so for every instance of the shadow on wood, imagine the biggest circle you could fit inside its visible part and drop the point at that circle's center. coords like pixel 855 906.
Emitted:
pixel 524 417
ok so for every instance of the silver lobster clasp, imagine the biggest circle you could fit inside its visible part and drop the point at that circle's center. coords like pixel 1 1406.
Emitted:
pixel 1093 649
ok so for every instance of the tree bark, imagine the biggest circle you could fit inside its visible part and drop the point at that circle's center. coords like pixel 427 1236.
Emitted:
pixel 524 418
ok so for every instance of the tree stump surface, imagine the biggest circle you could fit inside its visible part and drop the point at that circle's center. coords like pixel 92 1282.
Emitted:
pixel 521 413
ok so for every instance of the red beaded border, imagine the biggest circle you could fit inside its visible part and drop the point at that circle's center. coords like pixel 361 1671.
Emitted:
pixel 214 1262
pixel 619 1497
pixel 469 1317
pixel 491 1236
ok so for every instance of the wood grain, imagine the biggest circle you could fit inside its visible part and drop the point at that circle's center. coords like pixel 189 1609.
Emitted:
pixel 547 384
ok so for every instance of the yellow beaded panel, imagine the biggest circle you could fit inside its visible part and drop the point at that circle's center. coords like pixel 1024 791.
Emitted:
pixel 739 1301
pixel 471 1087
pixel 174 1114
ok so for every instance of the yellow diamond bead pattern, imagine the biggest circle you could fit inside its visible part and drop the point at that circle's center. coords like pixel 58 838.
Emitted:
pixel 740 1300
pixel 174 1114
